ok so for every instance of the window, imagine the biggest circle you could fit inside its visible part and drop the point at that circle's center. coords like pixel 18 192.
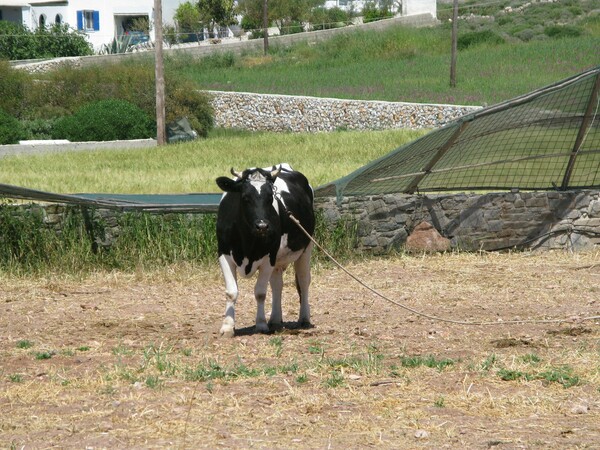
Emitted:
pixel 42 21
pixel 58 19
pixel 88 20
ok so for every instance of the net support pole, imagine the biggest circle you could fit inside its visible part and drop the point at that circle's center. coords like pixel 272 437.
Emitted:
pixel 414 184
pixel 585 123
pixel 159 72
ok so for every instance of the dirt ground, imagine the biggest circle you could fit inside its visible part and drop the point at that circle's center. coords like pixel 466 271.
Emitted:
pixel 134 360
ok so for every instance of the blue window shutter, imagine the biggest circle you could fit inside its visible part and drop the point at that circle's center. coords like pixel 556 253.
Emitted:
pixel 80 20
pixel 96 18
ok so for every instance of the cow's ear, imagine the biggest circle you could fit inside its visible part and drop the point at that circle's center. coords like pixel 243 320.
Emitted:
pixel 228 185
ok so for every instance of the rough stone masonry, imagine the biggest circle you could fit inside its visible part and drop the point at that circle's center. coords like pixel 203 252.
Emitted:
pixel 267 112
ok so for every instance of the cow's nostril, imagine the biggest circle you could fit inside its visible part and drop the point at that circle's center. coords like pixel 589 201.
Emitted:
pixel 261 225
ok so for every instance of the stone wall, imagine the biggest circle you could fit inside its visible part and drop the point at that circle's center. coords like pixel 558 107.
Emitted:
pixel 495 221
pixel 265 112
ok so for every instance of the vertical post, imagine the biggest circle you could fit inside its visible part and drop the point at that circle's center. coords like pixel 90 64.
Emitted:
pixel 454 45
pixel 585 124
pixel 265 27
pixel 159 71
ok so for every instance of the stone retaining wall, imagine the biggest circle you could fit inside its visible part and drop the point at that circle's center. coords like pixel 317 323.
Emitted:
pixel 533 220
pixel 496 221
pixel 265 112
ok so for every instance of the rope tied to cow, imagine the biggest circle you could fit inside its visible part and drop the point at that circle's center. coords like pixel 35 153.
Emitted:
pixel 429 316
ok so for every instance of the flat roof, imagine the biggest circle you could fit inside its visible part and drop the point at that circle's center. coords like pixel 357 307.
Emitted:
pixel 15 3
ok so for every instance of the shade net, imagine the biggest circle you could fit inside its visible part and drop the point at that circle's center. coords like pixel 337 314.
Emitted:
pixel 547 139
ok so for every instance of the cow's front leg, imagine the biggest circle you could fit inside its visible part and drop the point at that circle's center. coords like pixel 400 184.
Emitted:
pixel 260 293
pixel 276 289
pixel 231 292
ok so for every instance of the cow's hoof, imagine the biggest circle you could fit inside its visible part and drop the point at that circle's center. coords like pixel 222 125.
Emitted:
pixel 227 331
pixel 262 328
pixel 305 324
pixel 275 325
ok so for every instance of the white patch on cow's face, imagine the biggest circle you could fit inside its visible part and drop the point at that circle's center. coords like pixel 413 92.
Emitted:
pixel 257 181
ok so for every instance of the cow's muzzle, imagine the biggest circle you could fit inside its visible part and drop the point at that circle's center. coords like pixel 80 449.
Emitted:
pixel 261 227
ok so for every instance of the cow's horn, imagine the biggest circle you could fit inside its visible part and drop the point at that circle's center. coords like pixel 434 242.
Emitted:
pixel 236 174
pixel 275 173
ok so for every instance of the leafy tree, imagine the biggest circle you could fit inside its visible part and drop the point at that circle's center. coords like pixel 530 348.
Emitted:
pixel 290 13
pixel 252 14
pixel 214 13
pixel 324 18
pixel 287 14
pixel 372 12
pixel 187 17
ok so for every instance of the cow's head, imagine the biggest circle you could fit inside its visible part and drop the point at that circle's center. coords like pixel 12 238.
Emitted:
pixel 256 190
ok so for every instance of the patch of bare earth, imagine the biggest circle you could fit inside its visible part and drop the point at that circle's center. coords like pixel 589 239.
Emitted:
pixel 135 361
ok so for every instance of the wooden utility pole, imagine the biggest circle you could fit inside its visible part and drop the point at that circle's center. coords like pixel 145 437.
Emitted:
pixel 454 46
pixel 159 71
pixel 265 27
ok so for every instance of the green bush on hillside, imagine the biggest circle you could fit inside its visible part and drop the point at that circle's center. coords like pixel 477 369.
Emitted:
pixel 11 131
pixel 69 89
pixel 105 120
pixel 562 31
pixel 13 89
pixel 478 37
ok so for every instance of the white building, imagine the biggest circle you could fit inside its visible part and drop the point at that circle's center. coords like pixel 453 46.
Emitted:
pixel 101 21
pixel 399 7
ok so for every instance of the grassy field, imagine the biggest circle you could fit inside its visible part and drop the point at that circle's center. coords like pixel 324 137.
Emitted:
pixel 401 64
pixel 193 167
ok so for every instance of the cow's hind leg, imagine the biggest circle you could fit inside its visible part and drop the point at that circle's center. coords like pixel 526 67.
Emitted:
pixel 302 269
pixel 231 292
pixel 260 293
pixel 276 289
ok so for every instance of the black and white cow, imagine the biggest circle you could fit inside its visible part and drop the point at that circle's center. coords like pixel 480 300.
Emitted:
pixel 255 233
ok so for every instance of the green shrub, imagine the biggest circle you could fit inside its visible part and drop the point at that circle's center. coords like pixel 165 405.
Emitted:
pixel 70 89
pixel 13 88
pixel 60 40
pixel 562 31
pixel 18 42
pixel 291 27
pixel 478 37
pixel 106 120
pixel 11 130
pixel 372 13
pixel 325 18
pixel 38 128
pixel 184 100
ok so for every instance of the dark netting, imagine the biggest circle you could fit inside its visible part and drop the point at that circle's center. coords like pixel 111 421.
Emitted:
pixel 547 139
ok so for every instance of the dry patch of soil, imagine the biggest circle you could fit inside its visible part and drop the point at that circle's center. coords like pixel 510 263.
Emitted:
pixel 134 360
